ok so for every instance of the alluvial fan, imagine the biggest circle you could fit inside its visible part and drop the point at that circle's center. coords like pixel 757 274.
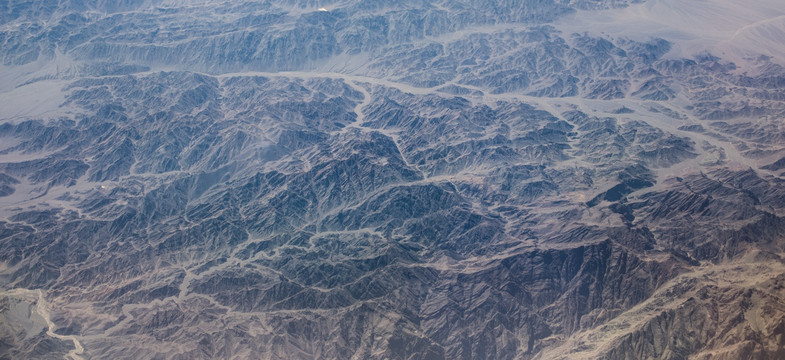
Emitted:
pixel 366 179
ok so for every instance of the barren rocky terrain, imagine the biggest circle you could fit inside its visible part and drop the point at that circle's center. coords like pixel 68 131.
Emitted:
pixel 452 179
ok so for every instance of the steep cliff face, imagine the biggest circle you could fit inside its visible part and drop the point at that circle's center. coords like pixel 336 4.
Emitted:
pixel 366 180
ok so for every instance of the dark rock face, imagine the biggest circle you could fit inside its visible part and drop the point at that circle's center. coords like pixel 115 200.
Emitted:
pixel 366 180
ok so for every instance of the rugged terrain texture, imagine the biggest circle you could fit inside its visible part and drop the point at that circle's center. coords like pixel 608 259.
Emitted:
pixel 456 179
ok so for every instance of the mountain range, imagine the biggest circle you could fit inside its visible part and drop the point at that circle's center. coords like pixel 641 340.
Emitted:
pixel 366 179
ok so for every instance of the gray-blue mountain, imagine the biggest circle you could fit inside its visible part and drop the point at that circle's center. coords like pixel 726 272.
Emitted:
pixel 367 179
